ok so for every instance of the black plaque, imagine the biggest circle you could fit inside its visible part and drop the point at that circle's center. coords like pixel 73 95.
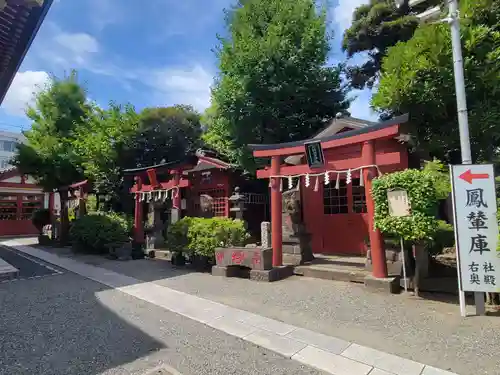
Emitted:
pixel 314 154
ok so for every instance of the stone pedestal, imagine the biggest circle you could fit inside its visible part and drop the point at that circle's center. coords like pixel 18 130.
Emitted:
pixel 296 241
pixel 251 263
pixel 154 238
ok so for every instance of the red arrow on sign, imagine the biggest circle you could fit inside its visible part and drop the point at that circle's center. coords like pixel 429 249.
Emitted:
pixel 468 176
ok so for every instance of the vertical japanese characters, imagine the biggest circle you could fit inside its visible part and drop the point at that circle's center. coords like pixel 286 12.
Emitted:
pixel 481 270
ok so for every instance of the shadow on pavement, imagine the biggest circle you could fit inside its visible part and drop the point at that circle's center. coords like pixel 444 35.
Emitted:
pixel 57 325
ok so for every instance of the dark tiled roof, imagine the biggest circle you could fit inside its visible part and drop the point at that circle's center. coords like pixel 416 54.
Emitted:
pixel 362 130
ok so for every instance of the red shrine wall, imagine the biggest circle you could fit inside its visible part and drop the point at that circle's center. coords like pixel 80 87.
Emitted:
pixel 215 183
pixel 19 198
pixel 337 219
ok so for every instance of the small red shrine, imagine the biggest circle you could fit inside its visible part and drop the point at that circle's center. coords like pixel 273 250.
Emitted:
pixel 337 206
pixel 183 184
pixel 20 196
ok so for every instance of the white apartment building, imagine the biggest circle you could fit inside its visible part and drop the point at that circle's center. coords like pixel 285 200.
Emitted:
pixel 8 142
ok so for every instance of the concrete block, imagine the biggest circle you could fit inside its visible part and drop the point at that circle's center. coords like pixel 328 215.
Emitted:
pixel 318 340
pixel 384 361
pixel 7 271
pixel 267 324
pixel 331 363
pixel 282 345
pixel 231 327
pixel 388 285
pixel 429 370
pixel 274 274
pixel 226 271
pixel 377 371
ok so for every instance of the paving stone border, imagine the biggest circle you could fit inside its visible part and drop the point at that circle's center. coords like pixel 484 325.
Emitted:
pixel 326 353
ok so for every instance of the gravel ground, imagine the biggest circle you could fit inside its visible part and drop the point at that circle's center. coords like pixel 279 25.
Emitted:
pixel 70 325
pixel 431 332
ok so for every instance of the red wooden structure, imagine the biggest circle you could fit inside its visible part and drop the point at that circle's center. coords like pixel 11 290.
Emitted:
pixel 338 214
pixel 19 197
pixel 183 182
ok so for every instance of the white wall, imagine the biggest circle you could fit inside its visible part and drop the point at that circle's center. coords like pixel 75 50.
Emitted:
pixel 6 155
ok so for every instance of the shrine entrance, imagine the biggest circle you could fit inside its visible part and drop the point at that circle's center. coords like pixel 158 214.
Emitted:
pixel 336 205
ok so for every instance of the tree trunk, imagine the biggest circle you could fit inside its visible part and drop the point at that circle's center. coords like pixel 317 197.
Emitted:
pixel 64 227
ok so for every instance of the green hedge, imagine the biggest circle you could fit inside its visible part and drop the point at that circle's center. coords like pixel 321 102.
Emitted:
pixel 100 232
pixel 201 236
pixel 422 224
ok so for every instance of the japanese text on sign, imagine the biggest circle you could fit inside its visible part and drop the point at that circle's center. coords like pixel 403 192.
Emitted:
pixel 476 227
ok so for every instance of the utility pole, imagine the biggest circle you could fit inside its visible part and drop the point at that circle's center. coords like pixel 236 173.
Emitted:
pixel 463 121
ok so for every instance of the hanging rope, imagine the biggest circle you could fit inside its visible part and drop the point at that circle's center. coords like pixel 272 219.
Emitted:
pixel 327 178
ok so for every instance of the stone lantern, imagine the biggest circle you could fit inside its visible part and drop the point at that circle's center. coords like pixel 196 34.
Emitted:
pixel 237 202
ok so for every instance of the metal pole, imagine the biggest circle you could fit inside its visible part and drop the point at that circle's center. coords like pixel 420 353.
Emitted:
pixel 458 67
pixel 463 118
pixel 404 263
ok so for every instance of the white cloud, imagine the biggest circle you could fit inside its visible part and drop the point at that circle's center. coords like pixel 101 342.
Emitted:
pixel 183 86
pixel 22 91
pixel 75 47
pixel 342 13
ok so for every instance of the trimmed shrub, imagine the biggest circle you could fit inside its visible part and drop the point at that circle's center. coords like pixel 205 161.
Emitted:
pixel 177 235
pixel 40 218
pixel 100 232
pixel 421 224
pixel 201 236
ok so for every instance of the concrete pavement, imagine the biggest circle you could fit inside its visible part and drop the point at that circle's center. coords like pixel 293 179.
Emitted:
pixel 70 325
pixel 326 353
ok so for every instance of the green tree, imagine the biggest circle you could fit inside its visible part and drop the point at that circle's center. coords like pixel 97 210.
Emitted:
pixel 273 85
pixel 418 78
pixel 48 155
pixel 375 28
pixel 165 134
pixel 102 142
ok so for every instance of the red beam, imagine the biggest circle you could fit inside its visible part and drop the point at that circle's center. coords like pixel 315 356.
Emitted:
pixel 388 132
pixel 162 186
pixel 391 158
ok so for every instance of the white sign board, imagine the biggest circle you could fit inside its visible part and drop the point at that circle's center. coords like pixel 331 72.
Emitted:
pixel 399 204
pixel 476 227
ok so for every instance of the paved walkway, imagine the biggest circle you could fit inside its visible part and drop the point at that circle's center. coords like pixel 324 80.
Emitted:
pixel 330 354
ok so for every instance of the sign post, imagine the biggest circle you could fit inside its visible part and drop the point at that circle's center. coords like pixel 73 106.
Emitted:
pixel 399 205
pixel 476 230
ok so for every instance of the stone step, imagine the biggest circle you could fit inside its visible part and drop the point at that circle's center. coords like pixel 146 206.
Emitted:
pixel 350 274
pixel 7 271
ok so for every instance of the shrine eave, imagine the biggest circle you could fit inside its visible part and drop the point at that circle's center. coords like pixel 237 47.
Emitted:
pixel 19 23
pixel 385 129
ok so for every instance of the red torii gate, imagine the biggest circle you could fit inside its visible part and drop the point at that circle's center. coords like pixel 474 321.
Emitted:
pixel 370 150
pixel 150 174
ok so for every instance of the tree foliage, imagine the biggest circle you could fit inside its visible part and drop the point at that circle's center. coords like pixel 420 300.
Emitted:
pixel 48 155
pixel 418 78
pixel 375 28
pixel 165 134
pixel 102 143
pixel 274 85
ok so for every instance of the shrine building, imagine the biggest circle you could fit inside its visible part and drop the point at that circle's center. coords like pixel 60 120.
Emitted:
pixel 198 185
pixel 333 172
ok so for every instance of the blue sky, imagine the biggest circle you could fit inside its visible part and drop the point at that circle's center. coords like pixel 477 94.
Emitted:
pixel 147 53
